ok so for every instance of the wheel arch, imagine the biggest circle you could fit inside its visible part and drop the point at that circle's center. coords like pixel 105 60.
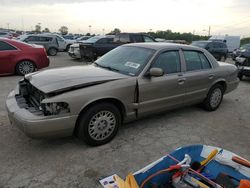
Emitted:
pixel 114 101
pixel 221 82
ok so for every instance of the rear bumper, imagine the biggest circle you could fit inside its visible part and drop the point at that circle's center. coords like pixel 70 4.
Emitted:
pixel 44 62
pixel 36 126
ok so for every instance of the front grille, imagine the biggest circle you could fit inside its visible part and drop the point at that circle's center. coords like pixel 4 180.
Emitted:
pixel 31 94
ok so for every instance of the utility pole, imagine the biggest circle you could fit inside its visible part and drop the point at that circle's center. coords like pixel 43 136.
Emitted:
pixel 209 30
pixel 90 29
pixel 103 31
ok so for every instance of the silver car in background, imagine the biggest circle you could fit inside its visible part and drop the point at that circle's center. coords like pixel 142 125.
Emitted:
pixel 129 82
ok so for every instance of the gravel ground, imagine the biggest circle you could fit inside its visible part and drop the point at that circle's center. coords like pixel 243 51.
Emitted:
pixel 68 162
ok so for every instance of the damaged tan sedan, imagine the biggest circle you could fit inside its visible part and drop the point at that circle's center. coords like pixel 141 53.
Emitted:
pixel 129 82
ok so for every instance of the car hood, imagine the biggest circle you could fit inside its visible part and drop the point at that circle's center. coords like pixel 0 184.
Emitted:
pixel 59 80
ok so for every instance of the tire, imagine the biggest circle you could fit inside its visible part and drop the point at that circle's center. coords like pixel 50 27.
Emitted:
pixel 98 120
pixel 67 48
pixel 214 98
pixel 52 51
pixel 240 76
pixel 25 67
pixel 223 58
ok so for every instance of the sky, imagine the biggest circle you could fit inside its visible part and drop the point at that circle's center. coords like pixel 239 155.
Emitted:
pixel 230 17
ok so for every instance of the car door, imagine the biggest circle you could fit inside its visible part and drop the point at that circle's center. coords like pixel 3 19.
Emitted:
pixel 103 45
pixel 164 92
pixel 199 75
pixel 7 51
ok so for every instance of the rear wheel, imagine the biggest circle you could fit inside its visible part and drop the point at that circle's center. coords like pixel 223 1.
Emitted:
pixel 214 98
pixel 99 124
pixel 52 51
pixel 25 67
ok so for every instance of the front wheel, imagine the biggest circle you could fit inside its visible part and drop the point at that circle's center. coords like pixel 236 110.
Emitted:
pixel 214 98
pixel 99 124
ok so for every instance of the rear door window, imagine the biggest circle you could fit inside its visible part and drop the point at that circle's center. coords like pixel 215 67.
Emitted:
pixel 45 39
pixel 136 38
pixel 124 38
pixel 196 61
pixel 32 39
pixel 5 46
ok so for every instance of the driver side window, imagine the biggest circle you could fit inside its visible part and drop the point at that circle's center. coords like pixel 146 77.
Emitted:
pixel 169 62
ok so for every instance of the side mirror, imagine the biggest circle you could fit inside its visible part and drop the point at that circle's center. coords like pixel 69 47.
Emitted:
pixel 156 72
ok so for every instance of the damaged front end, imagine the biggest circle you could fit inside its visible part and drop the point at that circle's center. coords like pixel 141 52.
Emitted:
pixel 31 99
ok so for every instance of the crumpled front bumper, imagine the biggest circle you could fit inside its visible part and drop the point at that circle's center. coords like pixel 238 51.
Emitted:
pixel 37 126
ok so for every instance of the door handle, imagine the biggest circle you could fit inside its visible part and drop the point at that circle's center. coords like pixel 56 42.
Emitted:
pixel 181 81
pixel 211 76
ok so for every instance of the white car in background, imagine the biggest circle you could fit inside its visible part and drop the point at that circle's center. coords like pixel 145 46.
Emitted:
pixel 5 34
pixel 64 44
pixel 74 50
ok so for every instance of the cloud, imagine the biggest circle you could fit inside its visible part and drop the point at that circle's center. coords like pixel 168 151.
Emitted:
pixel 48 2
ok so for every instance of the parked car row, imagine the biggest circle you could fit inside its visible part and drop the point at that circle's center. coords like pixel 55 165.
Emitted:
pixel 97 46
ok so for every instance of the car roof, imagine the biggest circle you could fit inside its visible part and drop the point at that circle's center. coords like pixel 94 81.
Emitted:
pixel 164 45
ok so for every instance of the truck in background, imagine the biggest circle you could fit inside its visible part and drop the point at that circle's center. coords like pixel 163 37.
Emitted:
pixel 233 42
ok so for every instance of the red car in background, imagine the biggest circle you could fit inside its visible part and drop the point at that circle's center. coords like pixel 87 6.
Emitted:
pixel 21 58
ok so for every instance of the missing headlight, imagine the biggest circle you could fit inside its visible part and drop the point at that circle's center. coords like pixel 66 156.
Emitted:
pixel 55 108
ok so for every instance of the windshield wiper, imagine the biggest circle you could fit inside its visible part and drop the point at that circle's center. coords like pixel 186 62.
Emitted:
pixel 107 67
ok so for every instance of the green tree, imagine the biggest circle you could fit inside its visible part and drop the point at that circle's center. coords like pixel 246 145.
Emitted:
pixel 115 31
pixel 64 30
pixel 38 28
pixel 46 30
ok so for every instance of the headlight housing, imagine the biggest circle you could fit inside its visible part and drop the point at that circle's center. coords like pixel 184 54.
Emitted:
pixel 55 108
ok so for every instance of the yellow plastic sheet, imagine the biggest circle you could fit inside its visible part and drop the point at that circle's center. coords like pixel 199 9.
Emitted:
pixel 129 182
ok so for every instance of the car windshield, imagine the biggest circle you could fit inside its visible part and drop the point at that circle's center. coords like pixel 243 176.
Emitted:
pixel 126 59
pixel 92 40
pixel 199 44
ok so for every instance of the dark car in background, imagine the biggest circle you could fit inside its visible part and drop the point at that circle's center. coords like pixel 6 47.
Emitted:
pixel 21 58
pixel 242 49
pixel 96 46
pixel 50 43
pixel 218 49
pixel 100 47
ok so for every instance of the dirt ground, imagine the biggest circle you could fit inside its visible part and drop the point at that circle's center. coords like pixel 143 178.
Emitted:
pixel 68 162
